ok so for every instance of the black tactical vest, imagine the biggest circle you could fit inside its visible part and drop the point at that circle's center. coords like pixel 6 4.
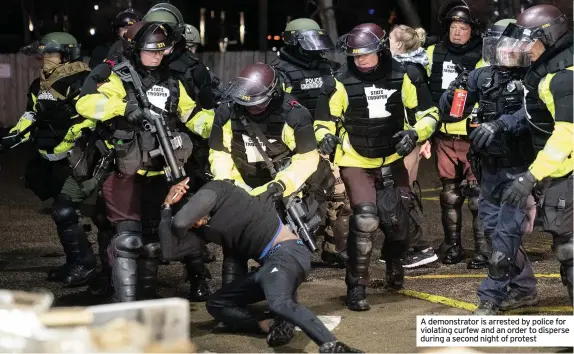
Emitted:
pixel 441 55
pixel 182 67
pixel 243 151
pixel 503 93
pixel 306 83
pixel 369 122
pixel 53 124
pixel 541 120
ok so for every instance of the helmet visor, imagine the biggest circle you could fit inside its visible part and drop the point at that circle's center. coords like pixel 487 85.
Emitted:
pixel 311 40
pixel 248 92
pixel 512 52
pixel 361 43
pixel 489 48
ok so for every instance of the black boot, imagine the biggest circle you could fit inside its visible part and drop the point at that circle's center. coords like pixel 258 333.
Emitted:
pixel 101 283
pixel 148 265
pixel 451 200
pixel 395 274
pixel 208 256
pixel 196 275
pixel 80 261
pixel 482 251
pixel 359 248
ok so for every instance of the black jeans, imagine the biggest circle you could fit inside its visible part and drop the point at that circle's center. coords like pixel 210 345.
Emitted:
pixel 277 280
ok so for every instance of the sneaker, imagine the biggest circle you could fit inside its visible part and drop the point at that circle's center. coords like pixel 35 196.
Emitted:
pixel 486 308
pixel 517 299
pixel 280 332
pixel 78 276
pixel 414 259
pixel 337 347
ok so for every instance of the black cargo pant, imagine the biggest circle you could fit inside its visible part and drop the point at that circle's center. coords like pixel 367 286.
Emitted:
pixel 282 271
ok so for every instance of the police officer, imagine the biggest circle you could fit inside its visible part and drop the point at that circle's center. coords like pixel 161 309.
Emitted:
pixel 56 127
pixel 499 92
pixel 120 26
pixel 462 45
pixel 379 90
pixel 263 113
pixel 196 80
pixel 132 199
pixel 543 30
pixel 309 77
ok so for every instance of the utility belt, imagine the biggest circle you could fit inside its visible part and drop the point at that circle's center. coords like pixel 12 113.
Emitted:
pixel 539 192
pixel 492 163
pixel 446 136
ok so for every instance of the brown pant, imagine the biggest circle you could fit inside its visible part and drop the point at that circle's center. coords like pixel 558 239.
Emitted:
pixel 412 162
pixel 360 182
pixel 451 158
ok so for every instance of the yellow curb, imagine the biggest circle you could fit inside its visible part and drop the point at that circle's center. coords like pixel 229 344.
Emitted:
pixel 454 276
pixel 437 299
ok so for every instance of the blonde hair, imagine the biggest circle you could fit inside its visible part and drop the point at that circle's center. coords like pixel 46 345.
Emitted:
pixel 412 39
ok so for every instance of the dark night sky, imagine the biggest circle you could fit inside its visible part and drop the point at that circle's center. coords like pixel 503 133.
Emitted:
pixel 82 16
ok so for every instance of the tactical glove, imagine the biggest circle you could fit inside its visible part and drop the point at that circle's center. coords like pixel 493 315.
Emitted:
pixel 134 113
pixel 517 194
pixel 329 143
pixel 405 141
pixel 484 134
pixel 329 85
pixel 273 193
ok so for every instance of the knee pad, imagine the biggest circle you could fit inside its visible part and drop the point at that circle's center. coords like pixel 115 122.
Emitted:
pixel 500 266
pixel 450 196
pixel 471 189
pixel 365 218
pixel 151 250
pixel 473 204
pixel 562 246
pixel 127 245
pixel 64 211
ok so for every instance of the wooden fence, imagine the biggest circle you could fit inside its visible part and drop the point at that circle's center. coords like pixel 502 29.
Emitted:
pixel 17 72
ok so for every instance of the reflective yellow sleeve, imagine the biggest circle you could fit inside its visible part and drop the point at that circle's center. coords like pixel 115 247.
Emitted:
pixel 430 52
pixel 221 163
pixel 186 104
pixel 201 123
pixel 338 104
pixel 287 89
pixel 554 160
pixel 108 103
pixel 481 63
pixel 24 122
pixel 427 120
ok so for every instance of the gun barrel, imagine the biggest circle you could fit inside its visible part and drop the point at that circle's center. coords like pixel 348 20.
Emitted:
pixel 166 146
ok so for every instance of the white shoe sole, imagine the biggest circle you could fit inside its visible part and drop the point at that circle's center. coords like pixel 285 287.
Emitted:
pixel 422 262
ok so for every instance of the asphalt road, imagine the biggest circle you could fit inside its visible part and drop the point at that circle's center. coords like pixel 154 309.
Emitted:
pixel 29 247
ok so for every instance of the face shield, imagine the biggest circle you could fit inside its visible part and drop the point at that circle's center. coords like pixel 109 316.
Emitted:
pixel 360 42
pixel 489 48
pixel 311 40
pixel 250 93
pixel 513 47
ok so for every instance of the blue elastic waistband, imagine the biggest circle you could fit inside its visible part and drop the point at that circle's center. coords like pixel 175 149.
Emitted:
pixel 270 244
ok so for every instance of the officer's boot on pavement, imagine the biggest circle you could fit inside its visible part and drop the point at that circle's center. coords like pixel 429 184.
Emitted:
pixel 337 347
pixel 395 274
pixel 82 271
pixel 59 273
pixel 482 251
pixel 517 299
pixel 196 275
pixel 486 308
pixel 451 199
pixel 101 283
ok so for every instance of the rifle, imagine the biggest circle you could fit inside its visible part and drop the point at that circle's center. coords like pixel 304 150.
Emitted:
pixel 154 123
pixel 293 205
pixel 11 141
pixel 295 216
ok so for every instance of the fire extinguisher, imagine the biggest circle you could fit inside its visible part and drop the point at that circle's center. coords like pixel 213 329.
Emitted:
pixel 460 94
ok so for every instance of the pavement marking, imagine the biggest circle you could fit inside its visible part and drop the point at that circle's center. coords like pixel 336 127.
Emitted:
pixel 437 299
pixel 331 322
pixel 455 276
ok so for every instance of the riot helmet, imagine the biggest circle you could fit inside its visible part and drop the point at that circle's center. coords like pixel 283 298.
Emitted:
pixel 542 22
pixel 192 37
pixel 169 15
pixel 146 39
pixel 255 87
pixel 363 39
pixel 308 35
pixel 491 37
pixel 59 42
pixel 458 10
pixel 125 19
